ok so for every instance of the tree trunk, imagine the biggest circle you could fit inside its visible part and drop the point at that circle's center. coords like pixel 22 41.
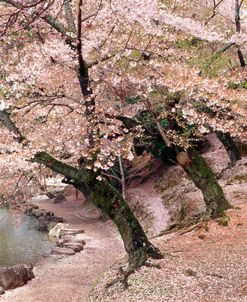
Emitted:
pixel 202 175
pixel 241 58
pixel 230 145
pixel 111 202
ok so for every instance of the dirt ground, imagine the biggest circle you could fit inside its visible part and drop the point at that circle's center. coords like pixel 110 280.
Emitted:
pixel 208 264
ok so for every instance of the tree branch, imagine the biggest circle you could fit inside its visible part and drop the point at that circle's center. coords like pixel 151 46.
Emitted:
pixel 82 71
pixel 123 182
pixel 69 16
pixel 238 29
pixel 53 22
pixel 6 120
pixel 160 128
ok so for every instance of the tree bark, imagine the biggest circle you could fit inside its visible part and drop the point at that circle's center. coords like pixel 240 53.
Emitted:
pixel 238 5
pixel 111 202
pixel 230 146
pixel 69 15
pixel 9 124
pixel 203 177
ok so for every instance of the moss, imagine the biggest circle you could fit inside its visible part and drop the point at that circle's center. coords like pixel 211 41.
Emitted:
pixel 40 119
pixel 137 55
pixel 201 107
pixel 188 43
pixel 240 178
pixel 224 221
pixel 233 85
pixel 209 65
pixel 203 177
pixel 132 101
pixel 168 2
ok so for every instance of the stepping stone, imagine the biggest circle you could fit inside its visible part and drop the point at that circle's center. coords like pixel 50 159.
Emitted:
pixel 63 251
pixel 65 232
pixel 54 218
pixel 59 199
pixel 74 246
pixel 73 239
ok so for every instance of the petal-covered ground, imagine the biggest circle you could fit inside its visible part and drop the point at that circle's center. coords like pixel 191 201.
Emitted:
pixel 208 264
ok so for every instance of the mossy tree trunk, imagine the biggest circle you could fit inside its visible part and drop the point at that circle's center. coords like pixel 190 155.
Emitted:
pixel 230 146
pixel 111 202
pixel 203 177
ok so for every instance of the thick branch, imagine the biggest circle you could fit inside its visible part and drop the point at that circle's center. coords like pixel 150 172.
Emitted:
pixel 69 16
pixel 237 16
pixel 241 57
pixel 82 72
pixel 238 5
pixel 6 120
pixel 55 165
pixel 225 48
pixel 157 122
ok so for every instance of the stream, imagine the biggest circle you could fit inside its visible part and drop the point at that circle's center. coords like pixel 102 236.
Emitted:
pixel 21 242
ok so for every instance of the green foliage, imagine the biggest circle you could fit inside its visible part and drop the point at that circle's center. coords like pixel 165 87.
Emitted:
pixel 154 95
pixel 40 119
pixel 240 178
pixel 224 221
pixel 200 106
pixel 150 141
pixel 210 65
pixel 165 123
pixel 188 43
pixel 168 2
pixel 135 54
pixel 1 92
pixel 233 85
pixel 115 172
pixel 190 130
pixel 132 100
pixel 139 55
pixel 201 56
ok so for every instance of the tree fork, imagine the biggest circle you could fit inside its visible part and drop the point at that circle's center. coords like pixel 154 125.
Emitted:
pixel 111 202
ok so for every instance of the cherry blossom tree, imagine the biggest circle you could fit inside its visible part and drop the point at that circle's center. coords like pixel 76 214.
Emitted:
pixel 73 72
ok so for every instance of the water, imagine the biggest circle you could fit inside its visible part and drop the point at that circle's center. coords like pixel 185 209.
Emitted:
pixel 21 243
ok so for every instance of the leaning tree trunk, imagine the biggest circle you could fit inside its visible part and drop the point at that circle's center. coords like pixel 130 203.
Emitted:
pixel 203 177
pixel 111 202
pixel 230 146
pixel 200 173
